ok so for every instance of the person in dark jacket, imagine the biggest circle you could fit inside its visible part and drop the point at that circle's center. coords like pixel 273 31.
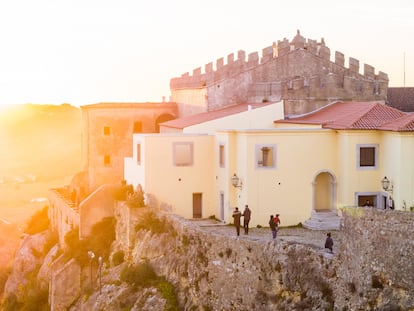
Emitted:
pixel 272 226
pixel 329 242
pixel 237 216
pixel 246 214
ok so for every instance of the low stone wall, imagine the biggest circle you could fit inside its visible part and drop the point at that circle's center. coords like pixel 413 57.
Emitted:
pixel 376 258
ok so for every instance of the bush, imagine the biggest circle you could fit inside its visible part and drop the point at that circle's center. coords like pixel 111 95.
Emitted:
pixel 101 237
pixel 118 258
pixel 151 222
pixel 76 248
pixel 99 241
pixel 168 292
pixel 141 275
pixel 39 222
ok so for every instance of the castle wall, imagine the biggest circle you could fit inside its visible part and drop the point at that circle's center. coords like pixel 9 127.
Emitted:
pixel 299 71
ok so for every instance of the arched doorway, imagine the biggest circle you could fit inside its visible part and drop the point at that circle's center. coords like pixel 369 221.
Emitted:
pixel 324 192
pixel 324 214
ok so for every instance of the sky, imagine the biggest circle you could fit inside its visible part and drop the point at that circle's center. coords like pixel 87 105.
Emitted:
pixel 88 51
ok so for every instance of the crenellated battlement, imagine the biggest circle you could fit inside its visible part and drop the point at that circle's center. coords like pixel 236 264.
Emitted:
pixel 279 53
pixel 299 71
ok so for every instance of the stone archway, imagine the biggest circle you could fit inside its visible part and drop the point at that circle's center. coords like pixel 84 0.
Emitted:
pixel 324 214
pixel 324 192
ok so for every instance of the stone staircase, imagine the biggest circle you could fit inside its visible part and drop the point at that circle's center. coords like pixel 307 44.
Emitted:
pixel 323 220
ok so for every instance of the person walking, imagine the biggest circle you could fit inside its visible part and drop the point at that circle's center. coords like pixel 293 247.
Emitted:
pixel 272 226
pixel 329 242
pixel 246 214
pixel 237 216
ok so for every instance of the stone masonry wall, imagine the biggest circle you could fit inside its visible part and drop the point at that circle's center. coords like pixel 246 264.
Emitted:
pixel 376 258
pixel 296 70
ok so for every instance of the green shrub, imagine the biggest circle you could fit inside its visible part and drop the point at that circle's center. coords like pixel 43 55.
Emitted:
pixel 101 237
pixel 141 275
pixel 168 292
pixel 99 241
pixel 118 258
pixel 150 222
pixel 39 222
pixel 136 199
pixel 76 248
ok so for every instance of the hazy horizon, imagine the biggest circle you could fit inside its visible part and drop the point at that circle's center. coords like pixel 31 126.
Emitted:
pixel 83 53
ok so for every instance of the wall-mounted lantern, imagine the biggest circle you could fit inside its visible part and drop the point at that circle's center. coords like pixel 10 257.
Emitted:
pixel 386 184
pixel 236 182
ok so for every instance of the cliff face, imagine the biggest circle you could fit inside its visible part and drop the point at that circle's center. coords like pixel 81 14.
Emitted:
pixel 230 273
pixel 213 269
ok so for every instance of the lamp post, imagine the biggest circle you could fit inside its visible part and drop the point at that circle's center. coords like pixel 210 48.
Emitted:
pixel 100 273
pixel 91 256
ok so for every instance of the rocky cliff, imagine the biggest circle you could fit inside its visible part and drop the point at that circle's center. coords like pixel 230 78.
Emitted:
pixel 210 268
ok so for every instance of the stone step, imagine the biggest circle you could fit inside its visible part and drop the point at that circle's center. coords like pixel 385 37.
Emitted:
pixel 323 220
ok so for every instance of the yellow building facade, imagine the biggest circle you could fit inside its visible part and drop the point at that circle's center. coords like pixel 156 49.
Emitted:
pixel 296 167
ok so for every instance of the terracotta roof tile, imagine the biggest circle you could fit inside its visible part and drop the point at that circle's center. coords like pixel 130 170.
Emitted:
pixel 351 115
pixel 210 115
pixel 403 124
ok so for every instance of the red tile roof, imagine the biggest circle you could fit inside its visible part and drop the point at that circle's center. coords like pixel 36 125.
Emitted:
pixel 356 116
pixel 403 124
pixel 210 115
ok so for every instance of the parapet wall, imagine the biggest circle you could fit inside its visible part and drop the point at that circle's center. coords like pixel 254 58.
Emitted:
pixel 376 256
pixel 302 68
pixel 232 66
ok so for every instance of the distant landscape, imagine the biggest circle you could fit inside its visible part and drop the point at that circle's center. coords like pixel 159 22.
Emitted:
pixel 40 148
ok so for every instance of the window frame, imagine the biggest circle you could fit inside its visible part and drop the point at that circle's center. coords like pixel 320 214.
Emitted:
pixel 259 156
pixel 191 155
pixel 358 157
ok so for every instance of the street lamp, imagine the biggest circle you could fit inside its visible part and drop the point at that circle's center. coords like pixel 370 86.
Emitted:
pixel 91 256
pixel 236 182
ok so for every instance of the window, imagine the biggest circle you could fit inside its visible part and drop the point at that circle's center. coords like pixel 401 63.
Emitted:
pixel 107 130
pixel 266 156
pixel 107 160
pixel 139 154
pixel 367 156
pixel 221 156
pixel 183 153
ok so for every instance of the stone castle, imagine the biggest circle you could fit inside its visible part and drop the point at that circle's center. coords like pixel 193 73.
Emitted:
pixel 299 72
